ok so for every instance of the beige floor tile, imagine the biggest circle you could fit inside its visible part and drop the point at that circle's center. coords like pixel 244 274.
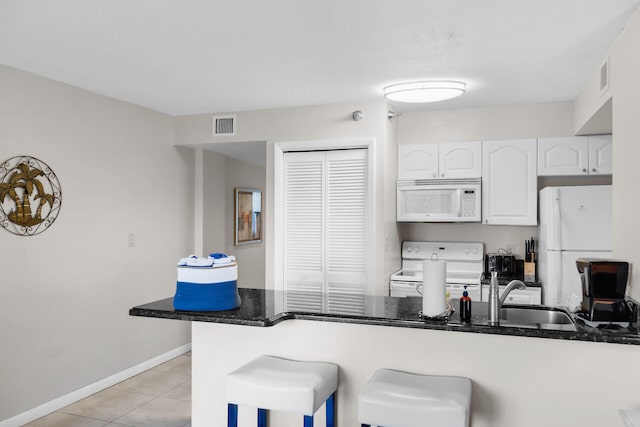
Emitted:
pixel 160 412
pixel 182 392
pixel 153 383
pixel 107 405
pixel 160 397
pixel 58 419
pixel 178 365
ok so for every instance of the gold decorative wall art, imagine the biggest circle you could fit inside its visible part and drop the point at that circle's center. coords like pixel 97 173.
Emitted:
pixel 30 196
pixel 248 214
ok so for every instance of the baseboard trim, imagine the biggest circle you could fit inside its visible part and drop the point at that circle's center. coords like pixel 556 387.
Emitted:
pixel 74 396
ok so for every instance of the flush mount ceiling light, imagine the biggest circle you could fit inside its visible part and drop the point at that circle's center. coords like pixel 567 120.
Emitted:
pixel 424 91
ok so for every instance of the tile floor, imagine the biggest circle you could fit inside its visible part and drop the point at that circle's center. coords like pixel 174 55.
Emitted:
pixel 159 397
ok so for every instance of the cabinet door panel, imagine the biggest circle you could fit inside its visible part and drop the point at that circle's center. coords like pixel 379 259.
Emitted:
pixel 563 156
pixel 460 160
pixel 418 161
pixel 509 182
pixel 600 155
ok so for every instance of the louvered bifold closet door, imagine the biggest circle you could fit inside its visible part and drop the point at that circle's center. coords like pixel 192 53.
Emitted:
pixel 304 231
pixel 346 231
pixel 325 230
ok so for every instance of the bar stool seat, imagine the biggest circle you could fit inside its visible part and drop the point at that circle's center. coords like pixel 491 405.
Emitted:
pixel 401 399
pixel 273 383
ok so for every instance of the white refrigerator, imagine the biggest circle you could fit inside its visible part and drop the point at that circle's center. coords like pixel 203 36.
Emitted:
pixel 574 222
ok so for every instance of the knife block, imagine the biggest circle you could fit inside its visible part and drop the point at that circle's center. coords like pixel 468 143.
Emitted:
pixel 529 271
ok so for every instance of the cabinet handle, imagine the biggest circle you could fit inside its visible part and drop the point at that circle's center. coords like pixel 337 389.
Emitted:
pixel 435 175
pixel 442 175
pixel 594 170
pixel 584 170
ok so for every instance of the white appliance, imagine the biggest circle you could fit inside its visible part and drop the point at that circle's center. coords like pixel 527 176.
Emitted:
pixel 464 267
pixel 575 222
pixel 439 200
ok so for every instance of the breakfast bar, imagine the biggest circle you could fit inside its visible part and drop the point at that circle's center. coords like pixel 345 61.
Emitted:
pixel 523 375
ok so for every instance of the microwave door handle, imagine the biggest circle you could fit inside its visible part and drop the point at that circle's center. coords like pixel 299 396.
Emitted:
pixel 459 202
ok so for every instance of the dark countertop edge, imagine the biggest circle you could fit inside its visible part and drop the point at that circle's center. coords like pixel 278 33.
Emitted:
pixel 209 317
pixel 470 328
pixel 229 319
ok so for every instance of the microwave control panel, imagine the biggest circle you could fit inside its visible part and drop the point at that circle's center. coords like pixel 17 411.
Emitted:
pixel 469 203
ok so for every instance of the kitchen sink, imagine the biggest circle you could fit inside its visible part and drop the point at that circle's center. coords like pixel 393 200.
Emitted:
pixel 537 317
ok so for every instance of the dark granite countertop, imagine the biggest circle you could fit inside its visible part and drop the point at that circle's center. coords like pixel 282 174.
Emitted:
pixel 261 307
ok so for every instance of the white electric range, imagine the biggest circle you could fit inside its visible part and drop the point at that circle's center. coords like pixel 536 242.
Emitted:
pixel 465 266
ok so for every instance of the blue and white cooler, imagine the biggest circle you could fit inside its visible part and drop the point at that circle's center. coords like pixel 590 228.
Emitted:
pixel 207 288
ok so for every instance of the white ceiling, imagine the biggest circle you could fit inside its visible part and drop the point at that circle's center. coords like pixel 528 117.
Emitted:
pixel 195 56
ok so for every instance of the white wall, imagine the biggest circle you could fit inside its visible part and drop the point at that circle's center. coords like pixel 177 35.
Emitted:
pixel 221 175
pixel 625 85
pixel 477 124
pixel 251 257
pixel 589 102
pixel 484 123
pixel 215 203
pixel 392 237
pixel 65 293
pixel 324 122
pixel 516 381
pixel 624 96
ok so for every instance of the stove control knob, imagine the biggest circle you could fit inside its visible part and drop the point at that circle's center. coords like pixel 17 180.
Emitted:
pixel 417 249
pixel 466 250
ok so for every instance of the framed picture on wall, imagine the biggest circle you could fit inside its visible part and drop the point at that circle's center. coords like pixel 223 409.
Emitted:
pixel 248 216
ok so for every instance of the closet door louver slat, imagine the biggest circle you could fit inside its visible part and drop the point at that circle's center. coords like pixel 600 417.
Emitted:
pixel 303 230
pixel 325 237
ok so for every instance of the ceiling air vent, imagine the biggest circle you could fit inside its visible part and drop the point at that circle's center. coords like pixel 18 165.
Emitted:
pixel 224 125
pixel 604 76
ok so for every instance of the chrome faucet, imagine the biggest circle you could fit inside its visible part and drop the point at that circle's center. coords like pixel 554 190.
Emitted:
pixel 495 300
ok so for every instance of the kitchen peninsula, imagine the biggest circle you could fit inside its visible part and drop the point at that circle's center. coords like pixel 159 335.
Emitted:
pixel 517 379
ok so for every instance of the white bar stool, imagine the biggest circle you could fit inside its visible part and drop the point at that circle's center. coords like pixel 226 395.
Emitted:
pixel 401 399
pixel 272 383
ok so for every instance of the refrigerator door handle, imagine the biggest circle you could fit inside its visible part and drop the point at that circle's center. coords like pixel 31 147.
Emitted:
pixel 554 283
pixel 554 227
pixel 558 275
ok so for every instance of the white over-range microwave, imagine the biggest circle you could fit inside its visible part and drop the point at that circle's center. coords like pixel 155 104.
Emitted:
pixel 439 200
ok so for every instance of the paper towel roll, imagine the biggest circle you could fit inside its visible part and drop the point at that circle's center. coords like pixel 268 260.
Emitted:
pixel 434 279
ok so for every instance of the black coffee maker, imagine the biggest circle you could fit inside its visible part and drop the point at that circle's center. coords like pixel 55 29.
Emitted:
pixel 604 283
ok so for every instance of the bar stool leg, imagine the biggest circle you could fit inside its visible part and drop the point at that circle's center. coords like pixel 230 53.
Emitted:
pixel 262 417
pixel 232 415
pixel 331 410
pixel 308 421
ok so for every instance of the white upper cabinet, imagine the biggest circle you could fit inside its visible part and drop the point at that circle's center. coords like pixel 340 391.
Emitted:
pixel 600 155
pixel 418 161
pixel 451 160
pixel 563 156
pixel 460 160
pixel 575 155
pixel 509 182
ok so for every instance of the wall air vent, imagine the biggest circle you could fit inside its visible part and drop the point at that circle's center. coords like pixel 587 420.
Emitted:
pixel 604 76
pixel 224 125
